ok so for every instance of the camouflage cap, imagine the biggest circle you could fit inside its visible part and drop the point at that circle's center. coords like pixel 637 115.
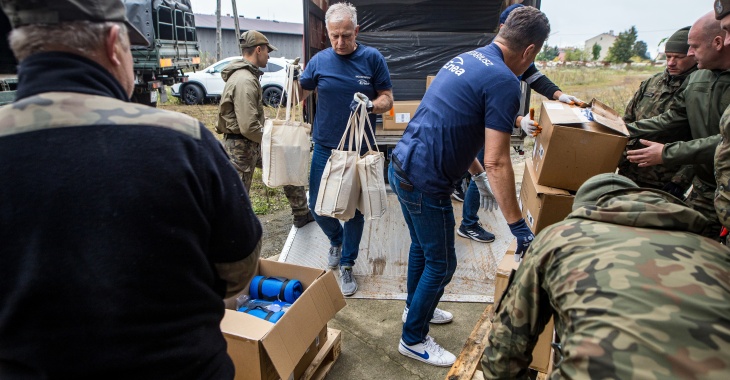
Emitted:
pixel 677 43
pixel 253 38
pixel 722 8
pixel 599 185
pixel 28 12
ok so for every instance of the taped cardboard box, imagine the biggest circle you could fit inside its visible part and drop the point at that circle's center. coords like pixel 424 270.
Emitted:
pixel 401 113
pixel 542 354
pixel 542 205
pixel 575 143
pixel 264 350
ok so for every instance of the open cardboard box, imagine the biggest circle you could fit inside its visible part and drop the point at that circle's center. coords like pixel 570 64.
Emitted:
pixel 264 350
pixel 542 353
pixel 574 147
pixel 542 205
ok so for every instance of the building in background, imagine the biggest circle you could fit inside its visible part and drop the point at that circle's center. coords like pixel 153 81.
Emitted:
pixel 604 40
pixel 286 36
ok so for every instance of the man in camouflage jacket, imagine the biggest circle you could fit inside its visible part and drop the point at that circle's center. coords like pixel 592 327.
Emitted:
pixel 241 117
pixel 122 227
pixel 634 290
pixel 656 95
pixel 722 154
pixel 695 116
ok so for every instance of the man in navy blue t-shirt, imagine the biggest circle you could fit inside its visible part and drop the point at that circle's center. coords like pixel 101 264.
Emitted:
pixel 337 74
pixel 470 105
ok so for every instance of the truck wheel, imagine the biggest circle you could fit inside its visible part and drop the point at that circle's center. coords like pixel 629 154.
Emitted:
pixel 192 94
pixel 272 96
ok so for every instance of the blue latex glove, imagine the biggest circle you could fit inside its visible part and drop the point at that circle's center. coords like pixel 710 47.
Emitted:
pixel 524 237
pixel 361 98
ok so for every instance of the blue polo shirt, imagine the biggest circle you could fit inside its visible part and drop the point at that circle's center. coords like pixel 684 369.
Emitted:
pixel 337 78
pixel 471 92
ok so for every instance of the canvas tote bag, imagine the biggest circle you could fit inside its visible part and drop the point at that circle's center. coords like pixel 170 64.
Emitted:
pixel 285 144
pixel 370 168
pixel 339 188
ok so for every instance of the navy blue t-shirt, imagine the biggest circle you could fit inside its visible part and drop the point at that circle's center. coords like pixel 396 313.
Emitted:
pixel 473 91
pixel 337 78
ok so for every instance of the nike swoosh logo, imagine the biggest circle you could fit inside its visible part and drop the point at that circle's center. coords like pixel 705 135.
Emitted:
pixel 424 355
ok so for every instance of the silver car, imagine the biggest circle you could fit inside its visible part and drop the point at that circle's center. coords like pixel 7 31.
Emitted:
pixel 208 84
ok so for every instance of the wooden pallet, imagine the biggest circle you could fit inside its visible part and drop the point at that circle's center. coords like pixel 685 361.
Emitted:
pixel 326 357
pixel 468 360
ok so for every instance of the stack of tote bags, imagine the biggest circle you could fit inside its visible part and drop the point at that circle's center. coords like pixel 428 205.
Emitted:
pixel 285 144
pixel 351 181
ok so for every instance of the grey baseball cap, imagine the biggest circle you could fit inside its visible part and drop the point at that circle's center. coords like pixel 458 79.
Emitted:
pixel 28 12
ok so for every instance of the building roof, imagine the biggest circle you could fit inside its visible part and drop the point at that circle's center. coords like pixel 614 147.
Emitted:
pixel 599 35
pixel 227 23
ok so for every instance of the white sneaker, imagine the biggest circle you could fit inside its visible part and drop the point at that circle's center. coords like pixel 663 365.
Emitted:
pixel 439 316
pixel 428 352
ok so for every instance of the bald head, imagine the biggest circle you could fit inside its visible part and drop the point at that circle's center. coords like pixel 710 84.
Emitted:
pixel 706 44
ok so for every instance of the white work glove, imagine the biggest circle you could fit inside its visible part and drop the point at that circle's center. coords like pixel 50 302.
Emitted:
pixel 570 99
pixel 361 98
pixel 529 126
pixel 486 198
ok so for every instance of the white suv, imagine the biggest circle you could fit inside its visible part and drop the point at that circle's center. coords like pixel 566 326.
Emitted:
pixel 207 83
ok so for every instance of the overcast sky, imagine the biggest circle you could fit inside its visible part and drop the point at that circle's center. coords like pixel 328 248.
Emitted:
pixel 572 22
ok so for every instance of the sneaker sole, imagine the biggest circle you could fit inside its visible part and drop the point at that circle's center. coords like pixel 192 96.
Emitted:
pixel 458 232
pixel 408 354
pixel 349 294
pixel 457 198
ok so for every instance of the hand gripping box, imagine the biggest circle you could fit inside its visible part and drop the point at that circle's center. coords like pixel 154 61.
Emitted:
pixel 264 350
pixel 542 205
pixel 542 353
pixel 577 143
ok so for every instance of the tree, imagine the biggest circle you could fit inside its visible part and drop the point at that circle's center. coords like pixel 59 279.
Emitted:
pixel 596 51
pixel 574 55
pixel 640 50
pixel 548 53
pixel 623 48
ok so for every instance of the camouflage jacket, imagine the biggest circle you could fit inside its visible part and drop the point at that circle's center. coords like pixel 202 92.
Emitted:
pixel 241 108
pixel 696 111
pixel 656 95
pixel 722 172
pixel 635 293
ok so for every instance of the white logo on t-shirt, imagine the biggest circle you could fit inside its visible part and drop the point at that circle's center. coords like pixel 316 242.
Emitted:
pixel 363 80
pixel 454 66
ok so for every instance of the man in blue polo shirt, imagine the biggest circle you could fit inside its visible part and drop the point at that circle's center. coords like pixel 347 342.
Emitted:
pixel 337 74
pixel 471 105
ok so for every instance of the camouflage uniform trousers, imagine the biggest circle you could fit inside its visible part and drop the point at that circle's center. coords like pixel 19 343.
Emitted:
pixel 246 157
pixel 701 199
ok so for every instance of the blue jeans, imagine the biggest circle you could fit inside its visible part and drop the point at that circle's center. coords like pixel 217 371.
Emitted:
pixel 348 237
pixel 432 257
pixel 471 200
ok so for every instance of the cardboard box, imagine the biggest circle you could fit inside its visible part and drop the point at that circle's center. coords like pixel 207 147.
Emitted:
pixel 264 350
pixel 429 79
pixel 542 354
pixel 401 113
pixel 542 205
pixel 573 147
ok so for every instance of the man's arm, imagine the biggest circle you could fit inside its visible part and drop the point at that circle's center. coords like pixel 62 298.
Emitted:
pixel 518 320
pixel 247 101
pixel 668 122
pixel 630 114
pixel 541 83
pixel 498 165
pixel 383 102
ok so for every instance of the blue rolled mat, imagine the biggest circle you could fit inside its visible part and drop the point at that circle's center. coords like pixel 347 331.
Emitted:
pixel 275 288
pixel 262 313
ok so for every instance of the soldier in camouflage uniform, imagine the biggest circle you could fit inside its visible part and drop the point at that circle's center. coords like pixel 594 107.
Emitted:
pixel 241 118
pixel 635 292
pixel 694 117
pixel 122 227
pixel 656 95
pixel 722 154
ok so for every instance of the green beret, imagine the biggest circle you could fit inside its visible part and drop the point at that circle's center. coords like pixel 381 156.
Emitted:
pixel 722 8
pixel 677 43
